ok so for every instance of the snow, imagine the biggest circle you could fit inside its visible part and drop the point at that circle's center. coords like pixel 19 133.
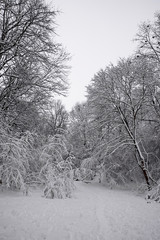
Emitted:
pixel 93 213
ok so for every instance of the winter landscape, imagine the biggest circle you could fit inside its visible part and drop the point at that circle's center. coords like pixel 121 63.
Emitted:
pixel 91 172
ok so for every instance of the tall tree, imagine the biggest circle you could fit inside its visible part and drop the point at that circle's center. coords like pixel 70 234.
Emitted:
pixel 32 65
pixel 148 38
pixel 122 94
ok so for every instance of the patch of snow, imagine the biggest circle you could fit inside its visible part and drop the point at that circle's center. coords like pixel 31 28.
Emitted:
pixel 93 213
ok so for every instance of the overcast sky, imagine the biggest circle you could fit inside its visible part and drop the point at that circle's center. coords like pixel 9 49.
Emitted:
pixel 97 32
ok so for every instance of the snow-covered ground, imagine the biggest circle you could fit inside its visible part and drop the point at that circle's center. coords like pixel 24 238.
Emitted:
pixel 94 213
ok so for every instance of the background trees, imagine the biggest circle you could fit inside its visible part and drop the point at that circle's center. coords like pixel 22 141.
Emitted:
pixel 57 118
pixel 123 115
pixel 78 132
pixel 115 132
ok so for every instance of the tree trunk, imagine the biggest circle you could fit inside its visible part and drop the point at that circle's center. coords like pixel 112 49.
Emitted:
pixel 144 171
pixel 142 164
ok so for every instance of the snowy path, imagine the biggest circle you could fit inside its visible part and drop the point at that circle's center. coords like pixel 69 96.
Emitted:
pixel 94 213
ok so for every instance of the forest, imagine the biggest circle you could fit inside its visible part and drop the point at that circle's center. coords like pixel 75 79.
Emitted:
pixel 114 135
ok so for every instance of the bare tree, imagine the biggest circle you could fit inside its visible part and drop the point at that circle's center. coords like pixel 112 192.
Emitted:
pixel 32 65
pixel 148 38
pixel 122 93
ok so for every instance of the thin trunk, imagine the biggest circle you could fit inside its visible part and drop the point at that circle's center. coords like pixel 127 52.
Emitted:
pixel 141 163
pixel 140 159
pixel 145 173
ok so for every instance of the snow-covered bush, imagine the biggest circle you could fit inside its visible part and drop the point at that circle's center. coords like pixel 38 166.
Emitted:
pixel 59 181
pixel 77 174
pixel 81 174
pixel 14 158
pixel 88 168
pixel 87 174
pixel 23 164
pixel 89 163
pixel 56 173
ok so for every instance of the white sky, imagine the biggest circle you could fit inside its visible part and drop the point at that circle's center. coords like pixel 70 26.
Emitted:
pixel 97 32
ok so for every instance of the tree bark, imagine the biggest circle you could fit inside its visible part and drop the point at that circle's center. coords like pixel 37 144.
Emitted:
pixel 141 162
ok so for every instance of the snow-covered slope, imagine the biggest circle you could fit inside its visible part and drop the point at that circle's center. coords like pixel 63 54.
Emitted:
pixel 94 213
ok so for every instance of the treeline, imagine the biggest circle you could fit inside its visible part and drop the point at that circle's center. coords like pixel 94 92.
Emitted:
pixel 117 130
pixel 114 134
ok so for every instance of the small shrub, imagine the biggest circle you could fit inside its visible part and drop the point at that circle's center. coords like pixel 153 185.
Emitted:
pixel 14 155
pixel 59 183
pixel 56 173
